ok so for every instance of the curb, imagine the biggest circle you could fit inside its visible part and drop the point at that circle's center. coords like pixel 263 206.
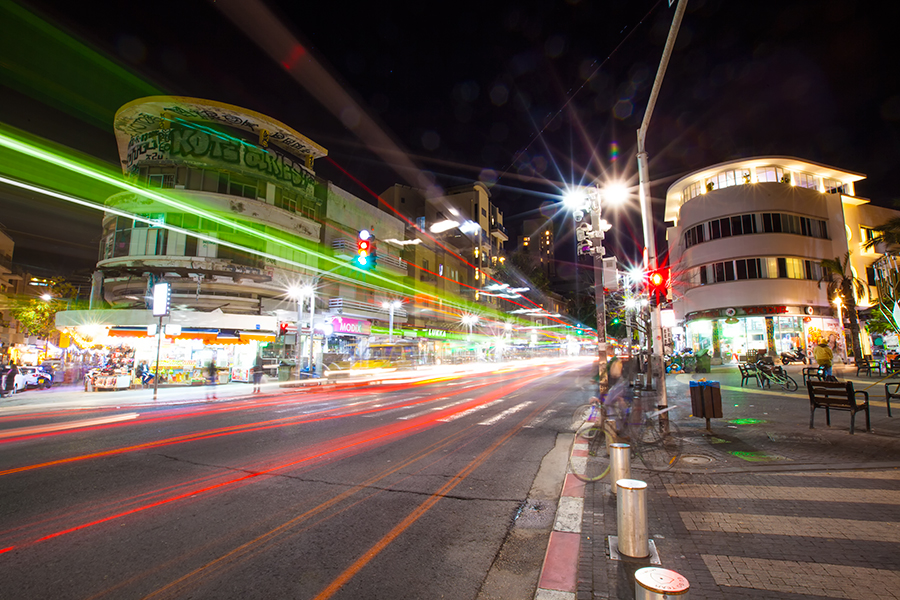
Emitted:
pixel 559 574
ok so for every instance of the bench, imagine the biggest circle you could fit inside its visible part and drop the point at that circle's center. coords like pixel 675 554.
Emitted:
pixel 838 396
pixel 867 366
pixel 888 394
pixel 748 372
pixel 892 367
pixel 810 372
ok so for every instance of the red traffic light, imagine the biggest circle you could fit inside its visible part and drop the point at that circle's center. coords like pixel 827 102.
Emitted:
pixel 658 284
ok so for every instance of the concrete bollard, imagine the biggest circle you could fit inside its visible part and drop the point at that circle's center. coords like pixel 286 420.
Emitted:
pixel 631 512
pixel 653 583
pixel 619 464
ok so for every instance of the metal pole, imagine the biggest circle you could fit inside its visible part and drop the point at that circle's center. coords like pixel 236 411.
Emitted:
pixel 631 514
pixel 619 463
pixel 297 338
pixel 391 322
pixel 599 295
pixel 159 334
pixel 312 325
pixel 650 258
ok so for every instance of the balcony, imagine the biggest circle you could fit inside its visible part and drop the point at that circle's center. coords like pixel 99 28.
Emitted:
pixel 346 248
pixel 499 231
pixel 364 310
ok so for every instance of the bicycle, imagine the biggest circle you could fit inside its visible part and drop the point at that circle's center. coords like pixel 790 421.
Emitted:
pixel 769 373
pixel 655 440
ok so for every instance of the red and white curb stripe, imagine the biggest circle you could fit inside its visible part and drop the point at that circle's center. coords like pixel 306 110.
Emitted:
pixel 560 571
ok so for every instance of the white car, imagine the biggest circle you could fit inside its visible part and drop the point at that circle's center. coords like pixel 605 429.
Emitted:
pixel 36 377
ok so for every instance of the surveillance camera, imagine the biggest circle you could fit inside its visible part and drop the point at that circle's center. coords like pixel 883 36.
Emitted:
pixel 579 215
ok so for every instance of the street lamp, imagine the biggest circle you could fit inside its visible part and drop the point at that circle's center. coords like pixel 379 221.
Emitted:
pixel 588 198
pixel 393 304
pixel 470 320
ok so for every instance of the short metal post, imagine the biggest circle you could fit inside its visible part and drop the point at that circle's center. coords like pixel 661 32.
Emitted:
pixel 631 512
pixel 619 463
pixel 653 583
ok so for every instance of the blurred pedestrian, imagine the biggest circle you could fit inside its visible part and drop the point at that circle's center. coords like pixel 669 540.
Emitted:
pixel 212 375
pixel 257 374
pixel 824 357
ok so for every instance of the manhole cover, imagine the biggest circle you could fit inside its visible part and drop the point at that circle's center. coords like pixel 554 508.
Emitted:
pixel 697 460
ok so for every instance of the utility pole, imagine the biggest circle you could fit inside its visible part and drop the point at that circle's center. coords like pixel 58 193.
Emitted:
pixel 650 257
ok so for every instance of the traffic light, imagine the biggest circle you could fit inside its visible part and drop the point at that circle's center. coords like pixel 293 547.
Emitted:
pixel 282 329
pixel 364 244
pixel 658 285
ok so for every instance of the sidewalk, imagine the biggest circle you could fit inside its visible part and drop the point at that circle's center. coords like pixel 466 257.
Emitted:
pixel 761 506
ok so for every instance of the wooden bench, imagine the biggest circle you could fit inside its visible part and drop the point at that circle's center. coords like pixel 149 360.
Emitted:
pixel 888 394
pixel 838 396
pixel 867 366
pixel 748 372
pixel 810 372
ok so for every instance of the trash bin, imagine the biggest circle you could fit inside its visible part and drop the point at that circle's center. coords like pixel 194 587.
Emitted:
pixel 706 400
pixel 703 362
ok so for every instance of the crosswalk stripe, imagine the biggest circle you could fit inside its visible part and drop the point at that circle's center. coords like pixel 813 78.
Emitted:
pixel 821 494
pixel 506 413
pixel 468 412
pixel 541 418
pixel 817 527
pixel 433 409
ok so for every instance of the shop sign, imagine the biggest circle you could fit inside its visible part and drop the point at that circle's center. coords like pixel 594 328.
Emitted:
pixel 351 326
pixel 766 310
pixel 436 333
pixel 191 144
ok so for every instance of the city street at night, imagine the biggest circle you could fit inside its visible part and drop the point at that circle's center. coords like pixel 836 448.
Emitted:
pixel 391 491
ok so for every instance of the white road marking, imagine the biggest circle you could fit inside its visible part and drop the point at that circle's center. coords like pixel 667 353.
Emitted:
pixel 506 413
pixel 67 425
pixel 466 413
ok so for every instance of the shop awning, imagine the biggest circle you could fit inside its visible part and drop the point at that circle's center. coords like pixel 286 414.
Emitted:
pixel 257 336
pixel 127 332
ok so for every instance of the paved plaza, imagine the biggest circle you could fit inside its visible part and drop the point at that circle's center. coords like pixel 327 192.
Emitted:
pixel 763 506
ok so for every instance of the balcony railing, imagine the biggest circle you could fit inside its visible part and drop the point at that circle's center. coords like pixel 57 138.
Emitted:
pixel 347 247
pixel 343 306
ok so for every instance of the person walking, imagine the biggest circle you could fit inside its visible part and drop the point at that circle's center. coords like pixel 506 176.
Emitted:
pixel 212 374
pixel 257 374
pixel 824 358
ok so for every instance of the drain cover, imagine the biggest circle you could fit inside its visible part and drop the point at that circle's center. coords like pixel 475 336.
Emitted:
pixel 697 460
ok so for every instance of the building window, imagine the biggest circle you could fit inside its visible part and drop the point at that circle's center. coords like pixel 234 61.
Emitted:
pixel 755 223
pixel 756 268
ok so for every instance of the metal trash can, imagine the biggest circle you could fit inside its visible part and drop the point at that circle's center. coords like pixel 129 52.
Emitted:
pixel 654 583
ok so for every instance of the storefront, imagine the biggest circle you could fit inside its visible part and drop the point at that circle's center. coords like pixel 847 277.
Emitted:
pixel 119 344
pixel 738 334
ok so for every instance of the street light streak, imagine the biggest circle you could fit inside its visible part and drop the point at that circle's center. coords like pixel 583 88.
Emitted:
pixel 36 430
pixel 341 446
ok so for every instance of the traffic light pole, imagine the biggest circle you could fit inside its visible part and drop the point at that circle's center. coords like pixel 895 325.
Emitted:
pixel 599 295
pixel 650 258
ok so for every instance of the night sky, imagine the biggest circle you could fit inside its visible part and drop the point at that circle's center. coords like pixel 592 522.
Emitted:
pixel 528 96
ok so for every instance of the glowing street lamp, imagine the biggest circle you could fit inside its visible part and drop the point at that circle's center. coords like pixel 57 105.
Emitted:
pixel 470 321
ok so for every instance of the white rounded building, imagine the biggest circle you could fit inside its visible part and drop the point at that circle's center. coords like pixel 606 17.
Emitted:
pixel 746 244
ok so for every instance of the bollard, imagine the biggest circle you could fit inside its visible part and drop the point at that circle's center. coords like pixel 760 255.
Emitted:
pixel 653 583
pixel 619 464
pixel 631 512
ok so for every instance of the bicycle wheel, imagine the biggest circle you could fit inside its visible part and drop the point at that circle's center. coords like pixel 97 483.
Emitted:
pixel 590 464
pixel 659 450
pixel 581 415
pixel 789 384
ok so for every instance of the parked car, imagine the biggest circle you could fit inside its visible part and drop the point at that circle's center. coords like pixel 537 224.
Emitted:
pixel 36 377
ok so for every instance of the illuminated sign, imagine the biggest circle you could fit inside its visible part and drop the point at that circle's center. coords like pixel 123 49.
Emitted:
pixel 351 326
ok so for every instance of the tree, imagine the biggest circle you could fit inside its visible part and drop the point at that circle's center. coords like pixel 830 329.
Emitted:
pixel 888 233
pixel 844 285
pixel 36 316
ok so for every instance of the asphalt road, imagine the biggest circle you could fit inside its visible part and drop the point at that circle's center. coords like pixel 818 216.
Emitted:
pixel 392 491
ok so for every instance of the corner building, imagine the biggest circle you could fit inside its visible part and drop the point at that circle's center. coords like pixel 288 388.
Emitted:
pixel 746 244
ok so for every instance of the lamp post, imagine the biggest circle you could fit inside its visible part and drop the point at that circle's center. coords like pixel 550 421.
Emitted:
pixel 584 199
pixel 650 259
pixel 298 293
pixel 470 321
pixel 391 306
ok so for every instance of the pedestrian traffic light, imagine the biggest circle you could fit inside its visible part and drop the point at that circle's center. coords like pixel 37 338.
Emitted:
pixel 658 285
pixel 282 329
pixel 364 249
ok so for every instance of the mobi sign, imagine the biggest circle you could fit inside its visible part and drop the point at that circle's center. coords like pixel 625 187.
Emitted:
pixel 351 326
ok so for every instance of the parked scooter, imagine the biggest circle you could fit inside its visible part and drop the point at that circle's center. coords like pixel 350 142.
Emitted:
pixel 792 356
